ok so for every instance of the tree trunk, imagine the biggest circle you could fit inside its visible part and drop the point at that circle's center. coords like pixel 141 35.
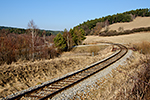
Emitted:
pixel 33 44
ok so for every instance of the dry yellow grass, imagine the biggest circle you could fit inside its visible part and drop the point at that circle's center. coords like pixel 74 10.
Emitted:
pixel 129 82
pixel 131 38
pixel 136 23
pixel 22 74
pixel 85 51
pixel 143 47
pixel 127 39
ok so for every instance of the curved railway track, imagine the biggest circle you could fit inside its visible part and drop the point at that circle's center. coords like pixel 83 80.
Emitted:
pixel 50 89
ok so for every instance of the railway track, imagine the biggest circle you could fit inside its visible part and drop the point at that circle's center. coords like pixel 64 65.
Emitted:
pixel 50 89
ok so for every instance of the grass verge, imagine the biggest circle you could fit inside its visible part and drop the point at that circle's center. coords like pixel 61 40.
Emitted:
pixel 143 47
pixel 131 82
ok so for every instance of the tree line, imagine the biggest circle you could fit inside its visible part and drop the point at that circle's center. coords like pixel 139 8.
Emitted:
pixel 123 32
pixel 24 31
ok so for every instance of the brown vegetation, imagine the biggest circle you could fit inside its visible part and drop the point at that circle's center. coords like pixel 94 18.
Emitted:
pixel 86 51
pixel 24 74
pixel 97 28
pixel 143 47
pixel 94 50
pixel 131 82
pixel 122 32
pixel 19 46
pixel 89 49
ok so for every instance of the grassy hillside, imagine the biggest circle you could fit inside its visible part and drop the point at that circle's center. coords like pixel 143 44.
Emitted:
pixel 138 22
pixel 127 39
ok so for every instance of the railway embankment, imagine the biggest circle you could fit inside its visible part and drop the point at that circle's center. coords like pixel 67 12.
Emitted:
pixel 22 75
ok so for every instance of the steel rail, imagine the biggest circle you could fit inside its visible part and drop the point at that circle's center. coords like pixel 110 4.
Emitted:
pixel 65 82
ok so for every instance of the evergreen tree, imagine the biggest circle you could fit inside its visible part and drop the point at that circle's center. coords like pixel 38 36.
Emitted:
pixel 59 41
pixel 82 34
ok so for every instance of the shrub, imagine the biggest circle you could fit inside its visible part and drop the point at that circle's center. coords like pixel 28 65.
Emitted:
pixel 14 47
pixel 143 47
pixel 94 49
pixel 114 32
pixel 120 29
pixel 141 87
pixel 52 52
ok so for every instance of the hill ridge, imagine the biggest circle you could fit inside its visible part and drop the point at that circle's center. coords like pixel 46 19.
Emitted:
pixel 22 30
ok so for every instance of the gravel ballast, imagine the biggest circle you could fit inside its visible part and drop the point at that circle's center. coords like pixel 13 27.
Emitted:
pixel 85 86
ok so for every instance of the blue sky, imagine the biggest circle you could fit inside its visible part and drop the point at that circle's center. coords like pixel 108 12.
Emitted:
pixel 61 14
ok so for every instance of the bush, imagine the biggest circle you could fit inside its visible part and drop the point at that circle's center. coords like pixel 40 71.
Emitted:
pixel 94 49
pixel 52 52
pixel 120 29
pixel 14 47
pixel 114 32
pixel 143 47
pixel 141 87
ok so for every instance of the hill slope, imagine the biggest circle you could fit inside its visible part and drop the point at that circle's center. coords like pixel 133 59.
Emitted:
pixel 127 39
pixel 138 22
pixel 93 27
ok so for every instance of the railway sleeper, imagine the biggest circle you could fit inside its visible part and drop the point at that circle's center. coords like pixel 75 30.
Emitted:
pixel 57 85
pixel 54 87
pixel 64 83
pixel 68 81
pixel 35 96
pixel 49 90
pixel 83 74
pixel 73 79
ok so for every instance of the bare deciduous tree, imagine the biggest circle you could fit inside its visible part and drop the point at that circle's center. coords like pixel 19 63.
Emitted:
pixel 106 25
pixel 68 39
pixel 32 28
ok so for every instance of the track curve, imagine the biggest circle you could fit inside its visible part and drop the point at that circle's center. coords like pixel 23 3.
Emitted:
pixel 50 89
